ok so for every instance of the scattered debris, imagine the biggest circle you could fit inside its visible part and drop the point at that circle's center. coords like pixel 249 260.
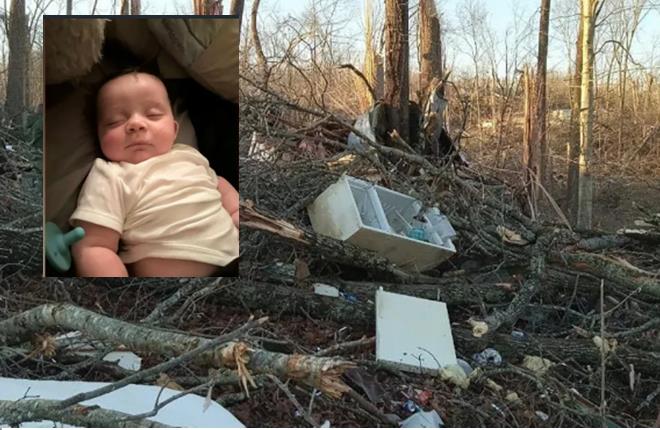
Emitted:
pixel 325 290
pixel 392 224
pixel 423 419
pixel 412 333
pixel 488 357
pixel 536 364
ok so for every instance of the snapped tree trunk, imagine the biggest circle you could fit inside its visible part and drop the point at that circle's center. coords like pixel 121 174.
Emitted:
pixel 17 64
pixel 585 181
pixel 396 66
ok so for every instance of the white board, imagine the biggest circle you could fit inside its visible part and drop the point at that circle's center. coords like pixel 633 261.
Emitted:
pixel 413 333
pixel 132 399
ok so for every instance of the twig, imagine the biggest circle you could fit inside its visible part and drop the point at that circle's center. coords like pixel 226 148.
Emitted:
pixel 364 341
pixel 371 408
pixel 303 413
pixel 361 76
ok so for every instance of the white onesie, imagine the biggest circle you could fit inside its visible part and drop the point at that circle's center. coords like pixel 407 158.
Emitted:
pixel 167 206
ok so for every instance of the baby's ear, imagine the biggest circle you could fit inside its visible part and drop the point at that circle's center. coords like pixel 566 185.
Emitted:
pixel 176 128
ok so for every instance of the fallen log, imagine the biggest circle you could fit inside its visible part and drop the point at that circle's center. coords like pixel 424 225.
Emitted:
pixel 322 373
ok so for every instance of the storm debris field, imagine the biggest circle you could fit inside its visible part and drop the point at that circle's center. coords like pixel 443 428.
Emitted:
pixel 552 327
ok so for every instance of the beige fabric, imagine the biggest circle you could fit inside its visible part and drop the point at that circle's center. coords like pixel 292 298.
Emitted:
pixel 165 207
pixel 71 47
pixel 206 48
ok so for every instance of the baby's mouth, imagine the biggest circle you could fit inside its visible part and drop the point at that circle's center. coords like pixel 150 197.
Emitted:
pixel 138 143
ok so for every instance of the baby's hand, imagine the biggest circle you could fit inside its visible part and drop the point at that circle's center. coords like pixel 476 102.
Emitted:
pixel 229 198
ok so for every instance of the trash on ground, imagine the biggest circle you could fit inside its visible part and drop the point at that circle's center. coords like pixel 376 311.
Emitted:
pixel 422 419
pixel 536 364
pixel 413 334
pixel 382 220
pixel 542 415
pixel 124 359
pixel 488 357
pixel 512 397
pixel 186 411
pixel 519 335
pixel 455 374
pixel 465 366
pixel 325 290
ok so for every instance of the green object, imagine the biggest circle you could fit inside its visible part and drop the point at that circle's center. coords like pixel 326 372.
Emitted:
pixel 58 243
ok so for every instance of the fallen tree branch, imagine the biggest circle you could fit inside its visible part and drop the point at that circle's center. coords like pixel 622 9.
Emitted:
pixel 28 410
pixel 322 373
pixel 612 270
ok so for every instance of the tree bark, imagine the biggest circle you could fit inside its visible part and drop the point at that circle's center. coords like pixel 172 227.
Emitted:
pixel 396 66
pixel 254 34
pixel 430 45
pixel 27 410
pixel 585 181
pixel 574 137
pixel 136 7
pixel 17 63
pixel 540 125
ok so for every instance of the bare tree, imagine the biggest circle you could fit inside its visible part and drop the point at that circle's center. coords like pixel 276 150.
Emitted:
pixel 396 66
pixel 572 183
pixel 540 138
pixel 69 7
pixel 585 181
pixel 18 56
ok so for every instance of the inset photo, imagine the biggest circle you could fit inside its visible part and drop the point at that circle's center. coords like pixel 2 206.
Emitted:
pixel 141 146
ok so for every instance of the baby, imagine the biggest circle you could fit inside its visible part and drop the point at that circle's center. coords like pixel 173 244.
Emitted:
pixel 155 208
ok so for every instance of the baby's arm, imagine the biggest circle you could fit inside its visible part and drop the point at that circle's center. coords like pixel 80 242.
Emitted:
pixel 96 254
pixel 229 198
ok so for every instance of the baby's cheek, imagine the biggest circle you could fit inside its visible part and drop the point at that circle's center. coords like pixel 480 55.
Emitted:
pixel 111 143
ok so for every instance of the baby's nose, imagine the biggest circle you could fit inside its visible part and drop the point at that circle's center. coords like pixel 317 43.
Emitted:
pixel 135 123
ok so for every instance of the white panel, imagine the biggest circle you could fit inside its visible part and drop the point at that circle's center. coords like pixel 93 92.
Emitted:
pixel 413 332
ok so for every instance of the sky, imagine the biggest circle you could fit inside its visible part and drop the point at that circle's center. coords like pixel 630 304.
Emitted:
pixel 501 15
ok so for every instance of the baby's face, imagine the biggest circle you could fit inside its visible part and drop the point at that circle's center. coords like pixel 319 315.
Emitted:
pixel 135 121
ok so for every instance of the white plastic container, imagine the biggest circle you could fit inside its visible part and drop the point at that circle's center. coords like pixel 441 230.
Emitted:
pixel 378 219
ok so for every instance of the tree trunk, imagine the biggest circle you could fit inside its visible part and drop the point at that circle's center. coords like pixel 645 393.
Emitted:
pixel 396 66
pixel 530 153
pixel 585 181
pixel 125 7
pixel 254 33
pixel 574 137
pixel 18 55
pixel 69 7
pixel 237 9
pixel 539 139
pixel 430 45
pixel 135 7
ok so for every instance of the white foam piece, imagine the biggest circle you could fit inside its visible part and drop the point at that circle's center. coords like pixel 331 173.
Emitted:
pixel 188 411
